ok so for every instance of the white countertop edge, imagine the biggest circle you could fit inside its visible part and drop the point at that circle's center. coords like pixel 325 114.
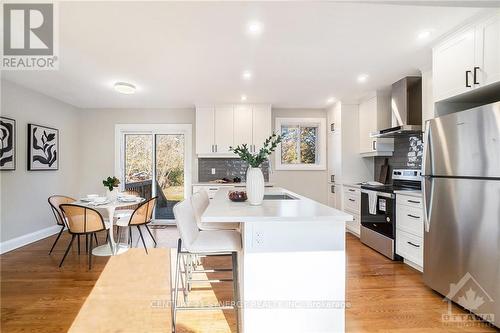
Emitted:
pixel 411 193
pixel 352 185
pixel 337 216
pixel 242 184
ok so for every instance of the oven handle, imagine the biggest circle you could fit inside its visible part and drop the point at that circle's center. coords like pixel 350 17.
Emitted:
pixel 380 194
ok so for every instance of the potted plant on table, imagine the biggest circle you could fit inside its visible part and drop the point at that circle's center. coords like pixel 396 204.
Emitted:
pixel 111 183
pixel 255 178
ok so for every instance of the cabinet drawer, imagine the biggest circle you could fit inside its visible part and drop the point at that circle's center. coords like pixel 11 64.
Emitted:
pixel 410 247
pixel 354 226
pixel 408 200
pixel 410 219
pixel 352 203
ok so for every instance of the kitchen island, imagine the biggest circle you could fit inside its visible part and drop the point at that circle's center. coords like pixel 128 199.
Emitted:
pixel 292 267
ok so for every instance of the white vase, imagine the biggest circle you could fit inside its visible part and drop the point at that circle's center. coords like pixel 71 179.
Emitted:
pixel 255 186
pixel 112 195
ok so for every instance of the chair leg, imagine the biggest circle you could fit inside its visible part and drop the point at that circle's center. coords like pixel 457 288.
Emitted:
pixel 67 250
pixel 176 285
pixel 236 292
pixel 95 237
pixel 58 236
pixel 150 234
pixel 130 236
pixel 90 253
pixel 87 243
pixel 117 233
pixel 142 238
pixel 78 244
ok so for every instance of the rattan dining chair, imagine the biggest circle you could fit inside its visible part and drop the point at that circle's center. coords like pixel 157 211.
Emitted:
pixel 55 201
pixel 83 221
pixel 141 216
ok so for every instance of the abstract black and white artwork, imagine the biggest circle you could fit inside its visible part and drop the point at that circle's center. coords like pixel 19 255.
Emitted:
pixel 8 144
pixel 43 148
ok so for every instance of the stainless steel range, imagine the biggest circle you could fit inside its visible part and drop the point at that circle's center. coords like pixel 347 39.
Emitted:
pixel 378 211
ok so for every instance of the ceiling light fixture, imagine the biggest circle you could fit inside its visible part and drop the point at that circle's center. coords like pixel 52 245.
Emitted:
pixel 255 28
pixel 243 98
pixel 362 78
pixel 124 88
pixel 424 34
pixel 330 100
pixel 247 75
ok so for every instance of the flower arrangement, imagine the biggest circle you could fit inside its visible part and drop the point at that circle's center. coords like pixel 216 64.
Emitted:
pixel 111 183
pixel 256 160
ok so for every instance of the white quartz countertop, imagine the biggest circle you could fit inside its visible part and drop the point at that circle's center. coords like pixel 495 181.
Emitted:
pixel 412 193
pixel 242 184
pixel 354 185
pixel 303 209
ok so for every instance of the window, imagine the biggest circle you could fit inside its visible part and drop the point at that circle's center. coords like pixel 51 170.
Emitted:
pixel 303 144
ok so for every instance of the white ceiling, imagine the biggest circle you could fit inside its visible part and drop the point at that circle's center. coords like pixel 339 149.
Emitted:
pixel 181 54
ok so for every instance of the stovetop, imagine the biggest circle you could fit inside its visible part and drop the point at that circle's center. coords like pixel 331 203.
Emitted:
pixel 389 188
pixel 403 179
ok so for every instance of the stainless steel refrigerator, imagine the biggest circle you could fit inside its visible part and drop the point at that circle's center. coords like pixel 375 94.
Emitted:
pixel 461 186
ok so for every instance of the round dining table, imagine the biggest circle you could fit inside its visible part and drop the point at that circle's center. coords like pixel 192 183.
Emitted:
pixel 110 207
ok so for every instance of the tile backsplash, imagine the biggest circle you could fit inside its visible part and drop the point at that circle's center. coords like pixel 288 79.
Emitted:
pixel 226 168
pixel 408 152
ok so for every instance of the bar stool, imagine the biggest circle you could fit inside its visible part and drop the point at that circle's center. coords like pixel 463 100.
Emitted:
pixel 207 243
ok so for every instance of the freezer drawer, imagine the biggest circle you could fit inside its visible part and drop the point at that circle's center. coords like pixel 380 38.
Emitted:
pixel 462 239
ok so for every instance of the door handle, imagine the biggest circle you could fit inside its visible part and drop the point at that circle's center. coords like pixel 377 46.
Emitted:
pixel 413 244
pixel 374 145
pixel 467 79
pixel 475 75
pixel 413 216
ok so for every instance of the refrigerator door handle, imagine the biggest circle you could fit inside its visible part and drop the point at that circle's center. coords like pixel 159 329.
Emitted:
pixel 426 166
pixel 427 201
pixel 426 158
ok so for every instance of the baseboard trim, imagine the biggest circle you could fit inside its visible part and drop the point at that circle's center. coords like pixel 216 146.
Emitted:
pixel 23 240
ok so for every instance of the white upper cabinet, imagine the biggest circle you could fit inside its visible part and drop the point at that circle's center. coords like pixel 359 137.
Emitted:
pixel 467 60
pixel 374 115
pixel 205 130
pixel 261 125
pixel 220 127
pixel 243 118
pixel 224 130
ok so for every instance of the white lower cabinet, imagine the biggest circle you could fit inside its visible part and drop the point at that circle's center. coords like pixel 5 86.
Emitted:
pixel 410 230
pixel 352 205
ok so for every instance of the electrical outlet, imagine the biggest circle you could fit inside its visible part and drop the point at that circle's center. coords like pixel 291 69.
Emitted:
pixel 258 238
pixel 213 171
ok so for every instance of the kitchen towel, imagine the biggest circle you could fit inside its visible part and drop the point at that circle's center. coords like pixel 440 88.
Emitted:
pixel 372 202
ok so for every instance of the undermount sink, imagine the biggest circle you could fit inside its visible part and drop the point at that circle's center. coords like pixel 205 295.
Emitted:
pixel 282 196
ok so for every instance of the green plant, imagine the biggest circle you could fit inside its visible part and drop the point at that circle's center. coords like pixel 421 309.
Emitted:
pixel 111 182
pixel 255 160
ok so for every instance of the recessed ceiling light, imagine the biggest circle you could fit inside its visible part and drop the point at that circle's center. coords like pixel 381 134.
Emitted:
pixel 424 34
pixel 255 28
pixel 124 88
pixel 330 100
pixel 362 78
pixel 247 75
pixel 243 98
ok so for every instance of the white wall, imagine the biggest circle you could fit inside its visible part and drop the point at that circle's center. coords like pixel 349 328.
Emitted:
pixel 24 207
pixel 97 146
pixel 312 184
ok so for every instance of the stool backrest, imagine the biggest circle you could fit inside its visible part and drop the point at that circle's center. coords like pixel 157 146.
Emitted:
pixel 186 222
pixel 200 202
pixel 144 213
pixel 55 201
pixel 82 220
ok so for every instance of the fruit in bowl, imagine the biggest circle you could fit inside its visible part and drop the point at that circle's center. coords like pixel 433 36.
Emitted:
pixel 238 196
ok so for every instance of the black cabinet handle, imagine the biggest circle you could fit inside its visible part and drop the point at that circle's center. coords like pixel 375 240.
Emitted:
pixel 351 190
pixel 413 201
pixel 374 145
pixel 352 200
pixel 413 216
pixel 475 75
pixel 467 79
pixel 413 244
pixel 332 189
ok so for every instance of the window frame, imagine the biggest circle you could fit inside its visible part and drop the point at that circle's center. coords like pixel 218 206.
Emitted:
pixel 320 123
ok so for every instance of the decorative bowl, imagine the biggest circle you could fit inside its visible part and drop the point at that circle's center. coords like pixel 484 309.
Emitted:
pixel 237 196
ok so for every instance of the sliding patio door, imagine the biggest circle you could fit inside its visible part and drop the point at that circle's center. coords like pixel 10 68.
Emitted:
pixel 155 160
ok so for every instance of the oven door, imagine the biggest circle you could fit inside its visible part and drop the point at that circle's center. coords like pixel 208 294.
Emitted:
pixel 383 221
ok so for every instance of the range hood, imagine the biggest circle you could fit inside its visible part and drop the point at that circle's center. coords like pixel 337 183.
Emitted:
pixel 406 109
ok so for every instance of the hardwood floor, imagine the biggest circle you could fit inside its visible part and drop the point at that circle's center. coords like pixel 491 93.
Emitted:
pixel 382 296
